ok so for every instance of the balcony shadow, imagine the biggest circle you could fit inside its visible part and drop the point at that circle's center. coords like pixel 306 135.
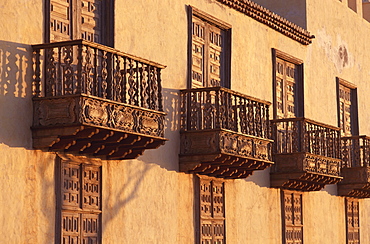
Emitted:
pixel 15 94
pixel 116 200
pixel 167 156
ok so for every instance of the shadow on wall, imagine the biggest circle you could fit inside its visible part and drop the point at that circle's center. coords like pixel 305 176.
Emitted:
pixel 126 191
pixel 15 94
pixel 167 156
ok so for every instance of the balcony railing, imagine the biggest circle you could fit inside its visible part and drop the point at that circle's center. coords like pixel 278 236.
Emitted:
pixel 303 135
pixel 221 108
pixel 356 167
pixel 307 154
pixel 82 67
pixel 94 99
pixel 224 133
pixel 356 151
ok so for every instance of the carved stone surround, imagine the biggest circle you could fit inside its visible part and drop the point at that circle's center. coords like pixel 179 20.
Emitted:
pixel 94 126
pixel 305 171
pixel 224 154
pixel 356 182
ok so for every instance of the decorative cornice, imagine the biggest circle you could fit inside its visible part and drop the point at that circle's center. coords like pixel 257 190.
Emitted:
pixel 270 19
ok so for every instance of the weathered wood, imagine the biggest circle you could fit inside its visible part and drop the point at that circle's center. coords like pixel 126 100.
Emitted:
pixel 85 95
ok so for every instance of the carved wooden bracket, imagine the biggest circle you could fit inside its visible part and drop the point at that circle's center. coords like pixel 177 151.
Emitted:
pixel 305 171
pixel 224 154
pixel 356 182
pixel 94 126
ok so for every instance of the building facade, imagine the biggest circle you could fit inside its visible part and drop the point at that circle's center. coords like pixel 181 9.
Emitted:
pixel 212 121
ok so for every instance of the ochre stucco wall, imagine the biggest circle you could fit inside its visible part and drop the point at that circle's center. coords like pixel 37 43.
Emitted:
pixel 147 200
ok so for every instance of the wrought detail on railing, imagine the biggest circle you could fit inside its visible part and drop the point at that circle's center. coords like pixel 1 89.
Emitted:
pixel 82 67
pixel 221 108
pixel 92 99
pixel 307 154
pixel 303 135
pixel 356 167
pixel 356 151
pixel 224 133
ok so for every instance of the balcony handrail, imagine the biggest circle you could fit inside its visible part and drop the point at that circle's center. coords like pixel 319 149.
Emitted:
pixel 307 120
pixel 355 151
pixel 219 88
pixel 222 108
pixel 297 135
pixel 96 45
pixel 83 67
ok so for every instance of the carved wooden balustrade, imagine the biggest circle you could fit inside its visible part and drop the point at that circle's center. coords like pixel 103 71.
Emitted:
pixel 356 167
pixel 306 154
pixel 92 99
pixel 224 133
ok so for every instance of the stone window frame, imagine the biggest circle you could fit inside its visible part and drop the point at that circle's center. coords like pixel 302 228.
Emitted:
pixel 226 28
pixel 75 14
pixel 292 217
pixel 81 210
pixel 208 225
pixel 299 103
pixel 352 212
pixel 354 106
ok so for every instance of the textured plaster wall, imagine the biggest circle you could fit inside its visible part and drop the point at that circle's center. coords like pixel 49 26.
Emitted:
pixel 147 200
pixel 27 199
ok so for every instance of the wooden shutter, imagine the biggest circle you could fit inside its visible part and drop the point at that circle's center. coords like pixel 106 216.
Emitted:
pixel 80 203
pixel 292 217
pixel 209 57
pixel 353 221
pixel 345 109
pixel 77 19
pixel 285 88
pixel 212 212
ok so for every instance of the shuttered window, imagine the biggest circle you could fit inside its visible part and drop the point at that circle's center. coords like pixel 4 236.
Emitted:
pixel 79 203
pixel 210 51
pixel 288 86
pixel 347 109
pixel 79 19
pixel 212 211
pixel 292 217
pixel 353 221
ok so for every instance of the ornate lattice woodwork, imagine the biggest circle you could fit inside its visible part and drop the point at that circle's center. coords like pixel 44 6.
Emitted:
pixel 77 19
pixel 224 134
pixel 353 220
pixel 79 202
pixel 306 154
pixel 209 49
pixel 211 211
pixel 83 105
pixel 285 88
pixel 345 110
pixel 292 217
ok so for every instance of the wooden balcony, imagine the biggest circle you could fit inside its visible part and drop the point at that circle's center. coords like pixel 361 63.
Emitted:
pixel 306 154
pixel 356 167
pixel 224 134
pixel 94 100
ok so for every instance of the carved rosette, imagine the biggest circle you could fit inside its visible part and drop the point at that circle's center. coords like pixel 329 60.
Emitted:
pixel 244 146
pixel 322 165
pixel 94 112
pixel 121 117
pixel 93 126
pixel 51 112
pixel 223 154
pixel 150 124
